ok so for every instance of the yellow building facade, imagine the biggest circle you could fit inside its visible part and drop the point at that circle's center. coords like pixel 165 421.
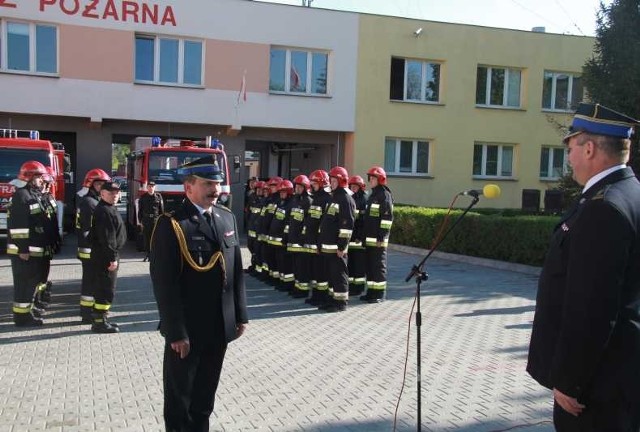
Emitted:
pixel 448 107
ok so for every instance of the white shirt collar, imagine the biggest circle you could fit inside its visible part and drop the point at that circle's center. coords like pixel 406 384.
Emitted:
pixel 596 178
pixel 202 210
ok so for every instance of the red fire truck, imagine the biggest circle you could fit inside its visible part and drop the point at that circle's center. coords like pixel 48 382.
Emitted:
pixel 153 159
pixel 19 146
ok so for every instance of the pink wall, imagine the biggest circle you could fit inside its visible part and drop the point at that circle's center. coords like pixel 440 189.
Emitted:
pixel 96 54
pixel 226 62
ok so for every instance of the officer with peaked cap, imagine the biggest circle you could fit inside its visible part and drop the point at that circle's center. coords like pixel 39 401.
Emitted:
pixel 585 343
pixel 196 270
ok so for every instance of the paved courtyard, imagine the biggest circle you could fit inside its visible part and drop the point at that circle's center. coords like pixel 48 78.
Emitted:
pixel 296 369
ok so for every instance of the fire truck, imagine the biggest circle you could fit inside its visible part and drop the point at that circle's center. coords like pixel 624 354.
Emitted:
pixel 19 146
pixel 153 159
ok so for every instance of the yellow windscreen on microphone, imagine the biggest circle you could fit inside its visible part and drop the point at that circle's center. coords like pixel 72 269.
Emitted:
pixel 491 191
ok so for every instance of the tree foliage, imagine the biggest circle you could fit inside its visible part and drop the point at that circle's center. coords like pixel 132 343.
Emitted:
pixel 612 75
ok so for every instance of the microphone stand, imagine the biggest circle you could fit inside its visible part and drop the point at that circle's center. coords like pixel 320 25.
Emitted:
pixel 420 275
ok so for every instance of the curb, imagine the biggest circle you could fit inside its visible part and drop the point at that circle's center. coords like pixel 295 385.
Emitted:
pixel 484 262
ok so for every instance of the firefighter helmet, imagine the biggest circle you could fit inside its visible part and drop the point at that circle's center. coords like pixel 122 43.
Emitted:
pixel 286 186
pixel 50 176
pixel 302 180
pixel 31 168
pixel 357 180
pixel 321 177
pixel 93 175
pixel 274 181
pixel 378 173
pixel 341 175
pixel 261 184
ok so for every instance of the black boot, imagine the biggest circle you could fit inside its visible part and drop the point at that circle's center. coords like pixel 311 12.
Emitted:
pixel 101 324
pixel 85 314
pixel 45 296
pixel 27 320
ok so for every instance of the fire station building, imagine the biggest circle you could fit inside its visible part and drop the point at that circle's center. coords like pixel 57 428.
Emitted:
pixel 291 89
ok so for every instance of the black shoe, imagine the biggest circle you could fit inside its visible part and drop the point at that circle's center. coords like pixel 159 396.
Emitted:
pixel 372 300
pixel 85 314
pixel 45 296
pixel 325 306
pixel 365 298
pixel 27 320
pixel 312 301
pixel 104 327
pixel 335 308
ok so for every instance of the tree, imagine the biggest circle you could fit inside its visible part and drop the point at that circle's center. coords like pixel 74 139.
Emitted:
pixel 612 75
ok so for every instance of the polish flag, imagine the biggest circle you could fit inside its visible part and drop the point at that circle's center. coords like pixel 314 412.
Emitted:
pixel 295 78
pixel 242 94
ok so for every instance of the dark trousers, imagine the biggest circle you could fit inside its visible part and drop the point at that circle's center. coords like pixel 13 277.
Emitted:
pixel 190 386
pixel 26 277
pixel 338 277
pixel 269 256
pixel 616 415
pixel 105 285
pixel 302 270
pixel 284 263
pixel 46 268
pixel 320 291
pixel 357 270
pixel 376 258
pixel 147 230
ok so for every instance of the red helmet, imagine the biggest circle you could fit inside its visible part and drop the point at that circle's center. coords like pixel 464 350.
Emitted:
pixel 261 185
pixel 321 177
pixel 357 180
pixel 274 181
pixel 302 180
pixel 93 175
pixel 31 168
pixel 286 186
pixel 341 174
pixel 50 176
pixel 378 173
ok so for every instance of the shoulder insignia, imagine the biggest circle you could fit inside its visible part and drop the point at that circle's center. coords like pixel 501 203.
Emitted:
pixel 221 207
pixel 600 194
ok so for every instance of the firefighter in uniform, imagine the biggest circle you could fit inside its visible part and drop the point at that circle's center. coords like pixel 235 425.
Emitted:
pixel 295 241
pixel 27 243
pixel 378 218
pixel 336 228
pixel 269 271
pixel 261 272
pixel 254 213
pixel 89 196
pixel 278 237
pixel 317 278
pixel 52 234
pixel 357 258
pixel 198 282
pixel 150 207
pixel 108 236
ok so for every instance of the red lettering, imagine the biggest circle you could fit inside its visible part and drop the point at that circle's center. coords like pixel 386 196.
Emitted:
pixel 5 3
pixel 89 8
pixel 168 16
pixel 130 8
pixel 110 11
pixel 44 3
pixel 76 6
pixel 152 15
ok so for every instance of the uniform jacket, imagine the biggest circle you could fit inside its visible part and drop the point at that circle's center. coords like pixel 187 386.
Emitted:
pixel 254 216
pixel 27 223
pixel 336 226
pixel 150 207
pixel 202 306
pixel 52 231
pixel 378 216
pixel 266 214
pixel 277 235
pixel 299 207
pixel 311 223
pixel 108 234
pixel 86 206
pixel 360 198
pixel 586 331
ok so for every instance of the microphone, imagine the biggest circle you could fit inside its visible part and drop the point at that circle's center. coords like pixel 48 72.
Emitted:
pixel 489 191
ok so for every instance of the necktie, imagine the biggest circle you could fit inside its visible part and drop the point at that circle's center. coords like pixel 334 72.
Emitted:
pixel 209 220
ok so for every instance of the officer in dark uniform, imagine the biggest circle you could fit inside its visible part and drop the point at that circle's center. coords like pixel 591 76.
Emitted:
pixel 378 218
pixel 108 236
pixel 585 342
pixel 336 228
pixel 295 239
pixel 357 257
pixel 89 196
pixel 53 238
pixel 27 243
pixel 318 278
pixel 150 207
pixel 196 270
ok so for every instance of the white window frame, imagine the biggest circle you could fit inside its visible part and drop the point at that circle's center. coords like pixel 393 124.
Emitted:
pixel 505 92
pixel 554 79
pixel 4 47
pixel 287 71
pixel 414 157
pixel 156 61
pixel 565 168
pixel 423 78
pixel 483 173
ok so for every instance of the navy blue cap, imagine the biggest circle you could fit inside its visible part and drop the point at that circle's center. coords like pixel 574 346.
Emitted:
pixel 206 168
pixel 110 186
pixel 599 120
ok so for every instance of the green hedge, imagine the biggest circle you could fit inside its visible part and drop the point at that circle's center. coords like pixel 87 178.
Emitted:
pixel 519 239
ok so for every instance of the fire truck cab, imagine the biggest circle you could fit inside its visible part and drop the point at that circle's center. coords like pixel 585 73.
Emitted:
pixel 19 146
pixel 157 160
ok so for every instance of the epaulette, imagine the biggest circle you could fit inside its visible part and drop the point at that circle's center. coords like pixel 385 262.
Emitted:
pixel 220 206
pixel 170 214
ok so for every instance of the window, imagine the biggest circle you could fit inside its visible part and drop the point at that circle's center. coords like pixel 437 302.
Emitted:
pixel 307 71
pixel 28 47
pixel 561 91
pixel 498 87
pixel 552 163
pixel 414 80
pixel 168 60
pixel 406 157
pixel 493 160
